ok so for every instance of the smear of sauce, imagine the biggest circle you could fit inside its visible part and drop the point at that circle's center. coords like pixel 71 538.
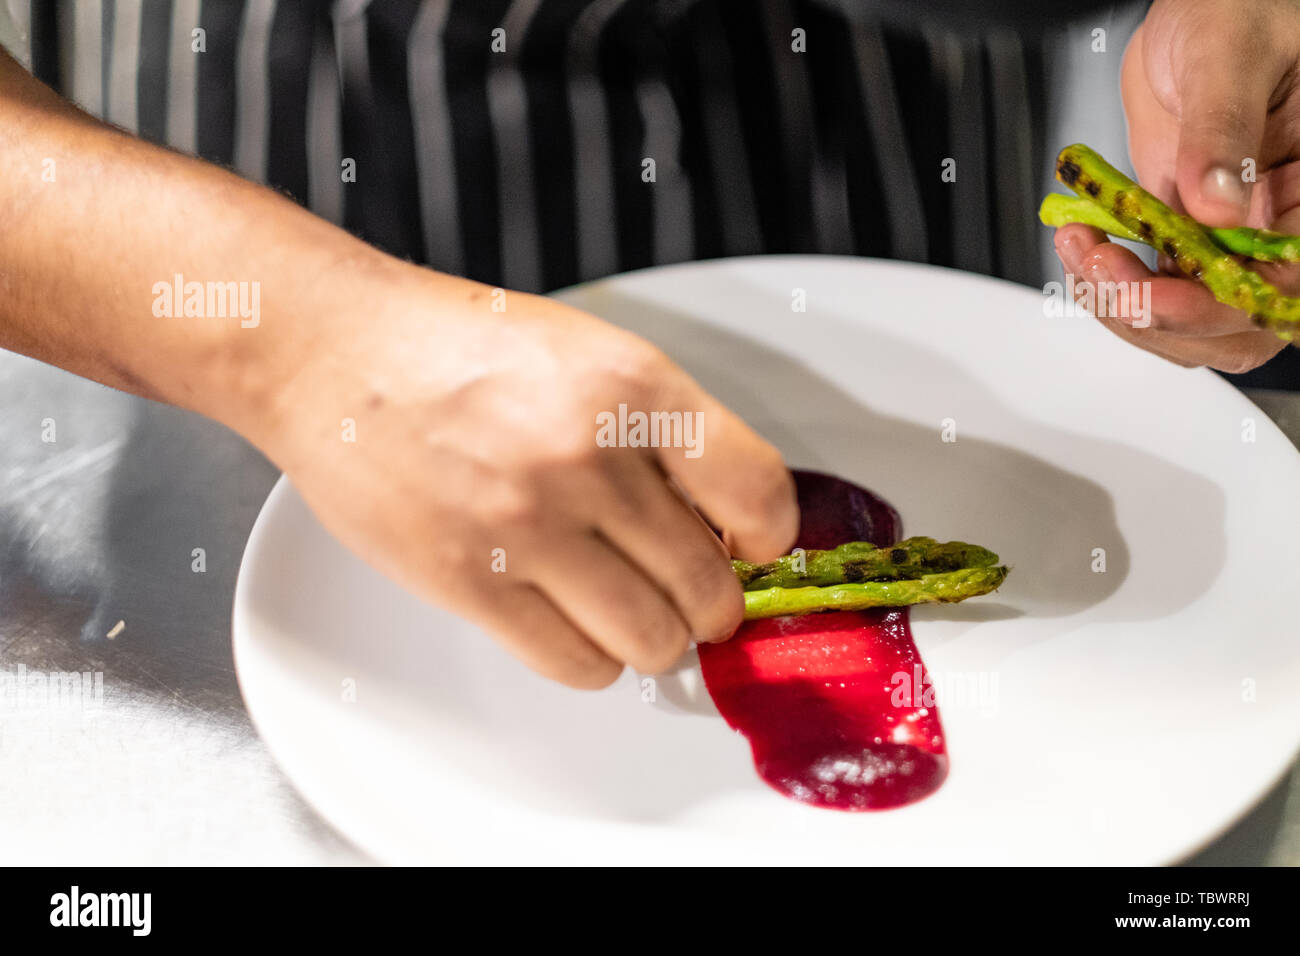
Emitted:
pixel 836 706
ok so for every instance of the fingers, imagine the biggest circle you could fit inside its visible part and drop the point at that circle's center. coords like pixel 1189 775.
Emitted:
pixel 1175 318
pixel 613 603
pixel 1185 308
pixel 1074 241
pixel 1178 306
pixel 660 533
pixel 738 480
pixel 534 630
pixel 1222 113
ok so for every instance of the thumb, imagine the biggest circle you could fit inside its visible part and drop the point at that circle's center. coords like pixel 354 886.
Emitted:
pixel 1223 107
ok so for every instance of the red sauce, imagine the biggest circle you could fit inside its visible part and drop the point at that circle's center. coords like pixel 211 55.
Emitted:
pixel 836 706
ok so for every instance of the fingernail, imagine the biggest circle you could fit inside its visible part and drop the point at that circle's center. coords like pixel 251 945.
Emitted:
pixel 1225 186
pixel 1069 249
pixel 1098 273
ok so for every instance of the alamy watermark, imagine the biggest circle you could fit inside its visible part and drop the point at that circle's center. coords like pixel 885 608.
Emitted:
pixel 1128 301
pixel 971 690
pixel 76 907
pixel 208 300
pixel 24 689
pixel 624 429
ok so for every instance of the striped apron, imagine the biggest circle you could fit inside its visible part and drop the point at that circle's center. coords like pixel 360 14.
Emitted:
pixel 538 143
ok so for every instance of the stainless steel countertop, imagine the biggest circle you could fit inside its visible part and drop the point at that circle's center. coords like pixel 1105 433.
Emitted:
pixel 100 526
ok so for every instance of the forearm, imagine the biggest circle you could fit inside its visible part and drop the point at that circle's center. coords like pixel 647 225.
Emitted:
pixel 94 224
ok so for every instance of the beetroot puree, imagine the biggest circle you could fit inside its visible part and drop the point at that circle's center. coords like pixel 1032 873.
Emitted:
pixel 829 718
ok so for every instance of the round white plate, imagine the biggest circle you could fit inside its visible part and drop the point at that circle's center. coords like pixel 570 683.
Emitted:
pixel 1123 716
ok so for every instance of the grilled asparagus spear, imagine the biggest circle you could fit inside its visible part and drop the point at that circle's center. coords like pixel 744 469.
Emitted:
pixel 1262 245
pixel 860 561
pixel 860 575
pixel 945 588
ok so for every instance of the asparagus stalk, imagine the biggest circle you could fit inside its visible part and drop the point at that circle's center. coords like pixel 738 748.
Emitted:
pixel 1179 237
pixel 946 588
pixel 1058 210
pixel 860 561
pixel 1262 245
pixel 860 575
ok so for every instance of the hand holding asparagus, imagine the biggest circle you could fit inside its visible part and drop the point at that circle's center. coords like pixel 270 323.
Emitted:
pixel 1111 201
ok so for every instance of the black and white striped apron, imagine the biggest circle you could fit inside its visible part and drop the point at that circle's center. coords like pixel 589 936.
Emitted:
pixel 520 157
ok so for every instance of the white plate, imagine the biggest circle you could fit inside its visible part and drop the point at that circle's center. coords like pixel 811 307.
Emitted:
pixel 1127 717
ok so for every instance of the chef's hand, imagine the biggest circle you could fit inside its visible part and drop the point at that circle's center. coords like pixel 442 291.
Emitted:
pixel 475 476
pixel 453 445
pixel 1210 92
